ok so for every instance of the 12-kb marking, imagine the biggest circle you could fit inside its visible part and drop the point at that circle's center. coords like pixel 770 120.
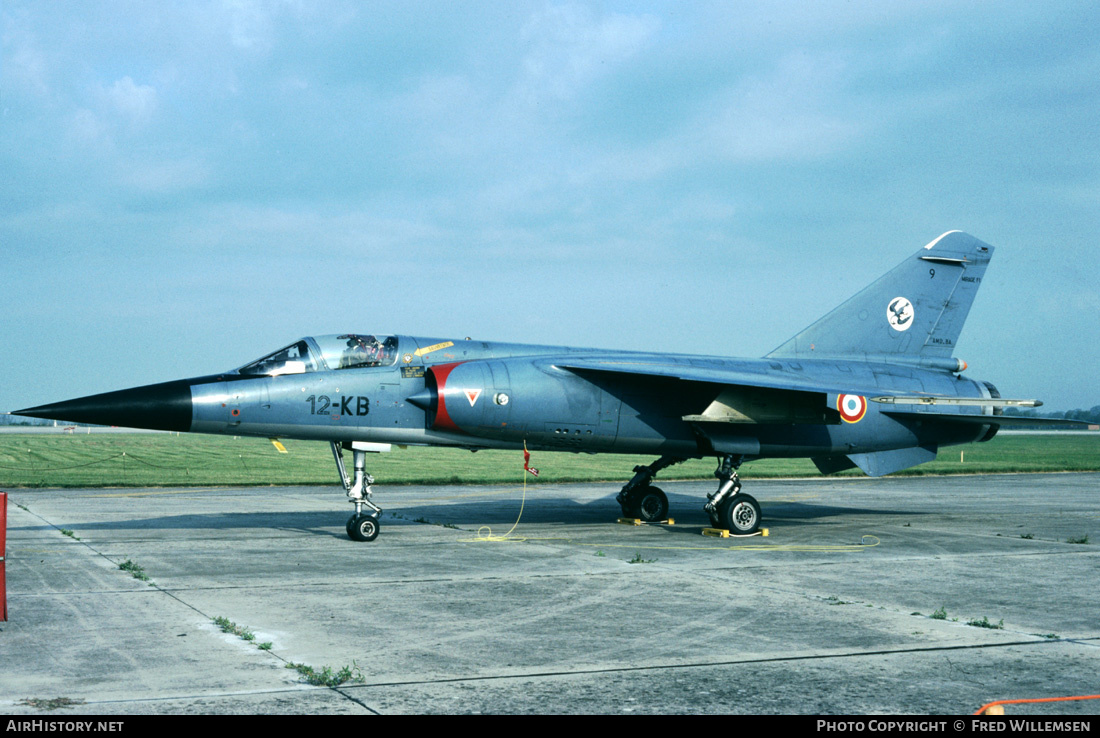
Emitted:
pixel 324 405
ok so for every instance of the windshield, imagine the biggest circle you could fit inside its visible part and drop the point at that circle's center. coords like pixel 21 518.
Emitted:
pixel 354 350
pixel 346 351
pixel 294 359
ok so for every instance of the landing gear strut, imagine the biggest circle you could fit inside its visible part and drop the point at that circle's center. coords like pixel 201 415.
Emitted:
pixel 639 499
pixel 361 526
pixel 727 507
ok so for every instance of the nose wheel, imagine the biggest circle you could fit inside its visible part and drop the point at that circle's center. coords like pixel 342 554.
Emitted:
pixel 363 527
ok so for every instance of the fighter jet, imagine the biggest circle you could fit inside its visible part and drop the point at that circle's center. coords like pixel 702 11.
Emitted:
pixel 873 384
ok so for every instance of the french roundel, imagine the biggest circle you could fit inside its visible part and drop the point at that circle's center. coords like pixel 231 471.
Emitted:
pixel 852 408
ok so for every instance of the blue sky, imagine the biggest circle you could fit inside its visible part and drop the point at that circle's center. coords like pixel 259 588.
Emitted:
pixel 187 186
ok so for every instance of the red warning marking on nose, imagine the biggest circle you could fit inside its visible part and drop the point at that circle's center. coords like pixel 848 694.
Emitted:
pixel 472 396
pixel 443 419
pixel 852 408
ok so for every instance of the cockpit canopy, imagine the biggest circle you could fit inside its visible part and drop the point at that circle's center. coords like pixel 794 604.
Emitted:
pixel 321 353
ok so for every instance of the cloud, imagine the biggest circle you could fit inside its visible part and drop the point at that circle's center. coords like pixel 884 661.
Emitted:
pixel 24 65
pixel 570 48
pixel 121 106
pixel 249 25
pixel 163 175
pixel 86 129
pixel 795 111
pixel 133 102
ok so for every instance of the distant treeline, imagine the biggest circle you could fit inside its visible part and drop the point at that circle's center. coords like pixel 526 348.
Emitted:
pixel 1092 415
pixel 6 419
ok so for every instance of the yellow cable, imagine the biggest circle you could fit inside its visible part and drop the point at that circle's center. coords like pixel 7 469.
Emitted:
pixel 867 541
pixel 488 536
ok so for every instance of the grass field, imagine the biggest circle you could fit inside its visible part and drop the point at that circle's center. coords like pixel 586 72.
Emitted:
pixel 170 460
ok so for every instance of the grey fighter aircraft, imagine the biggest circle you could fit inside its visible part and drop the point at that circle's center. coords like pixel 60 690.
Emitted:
pixel 873 385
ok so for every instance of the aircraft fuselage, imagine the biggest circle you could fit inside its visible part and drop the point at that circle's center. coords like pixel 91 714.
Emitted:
pixel 476 394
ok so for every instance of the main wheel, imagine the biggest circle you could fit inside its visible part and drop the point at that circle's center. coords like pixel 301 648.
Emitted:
pixel 363 528
pixel 652 504
pixel 629 505
pixel 740 515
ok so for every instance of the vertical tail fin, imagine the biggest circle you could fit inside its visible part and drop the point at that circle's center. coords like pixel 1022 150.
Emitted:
pixel 916 310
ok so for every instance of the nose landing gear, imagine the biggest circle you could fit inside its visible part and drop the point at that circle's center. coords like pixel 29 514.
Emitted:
pixel 361 526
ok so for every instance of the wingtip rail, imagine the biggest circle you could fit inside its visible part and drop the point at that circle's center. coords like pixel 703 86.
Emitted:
pixel 959 401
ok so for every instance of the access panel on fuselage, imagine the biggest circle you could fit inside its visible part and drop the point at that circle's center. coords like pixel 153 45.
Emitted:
pixel 391 417
pixel 562 410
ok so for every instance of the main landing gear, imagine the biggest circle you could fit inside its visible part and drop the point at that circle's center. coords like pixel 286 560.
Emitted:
pixel 639 499
pixel 361 526
pixel 727 508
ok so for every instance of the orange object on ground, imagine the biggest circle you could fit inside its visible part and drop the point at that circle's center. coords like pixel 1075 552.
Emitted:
pixel 984 708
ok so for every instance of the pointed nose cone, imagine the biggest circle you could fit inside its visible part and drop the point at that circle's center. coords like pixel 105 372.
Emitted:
pixel 422 399
pixel 165 406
